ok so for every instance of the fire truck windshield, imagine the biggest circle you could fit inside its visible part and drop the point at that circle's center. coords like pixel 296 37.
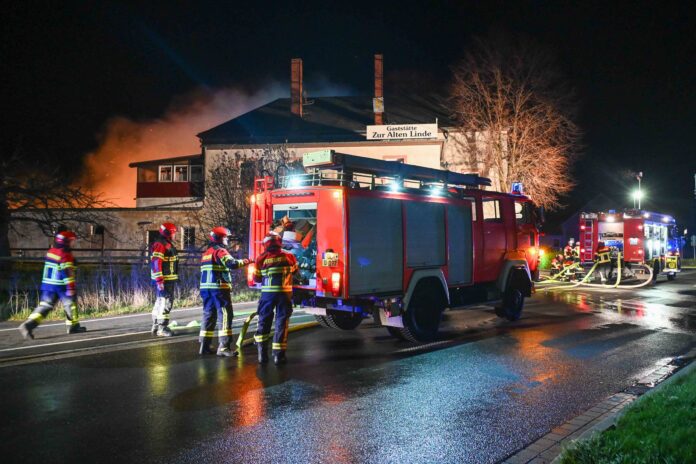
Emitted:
pixel 296 224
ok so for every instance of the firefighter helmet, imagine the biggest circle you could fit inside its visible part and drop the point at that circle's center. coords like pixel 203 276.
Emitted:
pixel 65 238
pixel 167 229
pixel 220 235
pixel 272 240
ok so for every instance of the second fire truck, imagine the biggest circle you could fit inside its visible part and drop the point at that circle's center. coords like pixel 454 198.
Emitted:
pixel 397 242
pixel 642 237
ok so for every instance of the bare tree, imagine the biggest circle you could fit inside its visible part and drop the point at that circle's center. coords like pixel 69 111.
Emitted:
pixel 517 116
pixel 230 183
pixel 30 193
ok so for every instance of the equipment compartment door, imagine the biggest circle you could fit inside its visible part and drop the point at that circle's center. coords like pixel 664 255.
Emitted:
pixel 494 238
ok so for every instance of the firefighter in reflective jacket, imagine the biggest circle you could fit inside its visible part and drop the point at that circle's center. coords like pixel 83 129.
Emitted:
pixel 164 265
pixel 603 260
pixel 58 283
pixel 216 264
pixel 274 268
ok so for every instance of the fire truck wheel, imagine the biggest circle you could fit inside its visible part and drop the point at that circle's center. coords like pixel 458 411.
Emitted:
pixel 511 307
pixel 671 276
pixel 422 318
pixel 656 271
pixel 322 321
pixel 343 321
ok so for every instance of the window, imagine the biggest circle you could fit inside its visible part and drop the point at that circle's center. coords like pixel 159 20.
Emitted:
pixel 196 173
pixel 523 213
pixel 491 210
pixel 188 237
pixel 148 174
pixel 181 173
pixel 165 173
pixel 152 235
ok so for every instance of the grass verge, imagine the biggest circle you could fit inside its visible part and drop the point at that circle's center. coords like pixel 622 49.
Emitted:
pixel 658 428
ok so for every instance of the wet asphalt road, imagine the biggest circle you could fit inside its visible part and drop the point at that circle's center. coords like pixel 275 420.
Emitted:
pixel 485 390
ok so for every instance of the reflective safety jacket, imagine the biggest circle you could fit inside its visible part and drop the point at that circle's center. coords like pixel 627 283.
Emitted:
pixel 603 255
pixel 216 264
pixel 58 271
pixel 275 270
pixel 164 261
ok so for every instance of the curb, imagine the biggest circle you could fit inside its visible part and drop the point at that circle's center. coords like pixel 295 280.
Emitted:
pixel 549 448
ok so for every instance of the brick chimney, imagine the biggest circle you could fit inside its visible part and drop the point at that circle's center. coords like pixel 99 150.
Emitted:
pixel 378 103
pixel 296 86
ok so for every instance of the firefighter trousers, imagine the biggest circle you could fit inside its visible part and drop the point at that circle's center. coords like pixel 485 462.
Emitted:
pixel 164 300
pixel 217 306
pixel 49 298
pixel 282 303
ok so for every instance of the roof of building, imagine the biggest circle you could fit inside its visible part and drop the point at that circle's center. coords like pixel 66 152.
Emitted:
pixel 325 119
pixel 177 159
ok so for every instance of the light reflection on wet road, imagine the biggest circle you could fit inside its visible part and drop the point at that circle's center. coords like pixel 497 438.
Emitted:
pixel 351 396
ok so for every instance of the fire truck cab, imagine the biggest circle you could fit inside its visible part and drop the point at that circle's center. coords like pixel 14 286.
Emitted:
pixel 395 241
pixel 642 237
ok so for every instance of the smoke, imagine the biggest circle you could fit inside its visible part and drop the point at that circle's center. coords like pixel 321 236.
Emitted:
pixel 125 140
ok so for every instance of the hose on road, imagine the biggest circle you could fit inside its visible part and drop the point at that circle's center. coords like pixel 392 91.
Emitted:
pixel 616 284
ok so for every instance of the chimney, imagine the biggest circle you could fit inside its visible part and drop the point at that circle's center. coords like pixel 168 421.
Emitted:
pixel 296 86
pixel 378 102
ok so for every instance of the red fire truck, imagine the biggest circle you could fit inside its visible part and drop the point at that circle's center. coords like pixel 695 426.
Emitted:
pixel 399 242
pixel 642 237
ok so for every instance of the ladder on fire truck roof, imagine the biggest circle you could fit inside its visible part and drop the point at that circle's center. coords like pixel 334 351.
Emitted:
pixel 349 168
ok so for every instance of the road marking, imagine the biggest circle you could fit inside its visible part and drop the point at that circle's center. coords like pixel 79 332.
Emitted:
pixel 41 345
pixel 112 318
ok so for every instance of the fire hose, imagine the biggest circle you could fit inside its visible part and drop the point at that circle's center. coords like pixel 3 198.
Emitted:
pixel 616 284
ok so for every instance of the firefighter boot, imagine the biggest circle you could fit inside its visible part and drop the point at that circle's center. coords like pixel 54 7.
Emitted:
pixel 76 328
pixel 164 331
pixel 226 351
pixel 205 348
pixel 155 328
pixel 26 329
pixel 262 348
pixel 279 358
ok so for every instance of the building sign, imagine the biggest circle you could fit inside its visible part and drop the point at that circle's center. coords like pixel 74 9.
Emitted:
pixel 402 131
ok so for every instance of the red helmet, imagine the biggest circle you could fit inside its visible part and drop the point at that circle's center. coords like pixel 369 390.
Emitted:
pixel 167 229
pixel 218 234
pixel 65 238
pixel 272 240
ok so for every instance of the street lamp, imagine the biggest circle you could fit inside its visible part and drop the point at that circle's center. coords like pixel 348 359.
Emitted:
pixel 637 195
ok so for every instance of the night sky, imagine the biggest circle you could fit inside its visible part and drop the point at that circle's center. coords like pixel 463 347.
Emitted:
pixel 70 66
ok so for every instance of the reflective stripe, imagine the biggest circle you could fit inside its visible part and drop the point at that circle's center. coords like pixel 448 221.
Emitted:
pixel 262 338
pixel 206 333
pixel 38 317
pixel 53 256
pixel 215 286
pixel 225 333
pixel 157 254
pixel 279 346
pixel 71 323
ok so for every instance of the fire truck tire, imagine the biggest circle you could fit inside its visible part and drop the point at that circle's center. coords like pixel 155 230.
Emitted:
pixel 343 321
pixel 656 271
pixel 322 321
pixel 513 298
pixel 671 276
pixel 422 318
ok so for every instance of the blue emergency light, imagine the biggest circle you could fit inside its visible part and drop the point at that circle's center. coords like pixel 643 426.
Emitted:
pixel 517 188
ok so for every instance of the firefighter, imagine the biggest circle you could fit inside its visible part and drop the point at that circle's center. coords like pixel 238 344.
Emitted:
pixel 164 265
pixel 216 264
pixel 58 283
pixel 603 260
pixel 569 249
pixel 274 268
